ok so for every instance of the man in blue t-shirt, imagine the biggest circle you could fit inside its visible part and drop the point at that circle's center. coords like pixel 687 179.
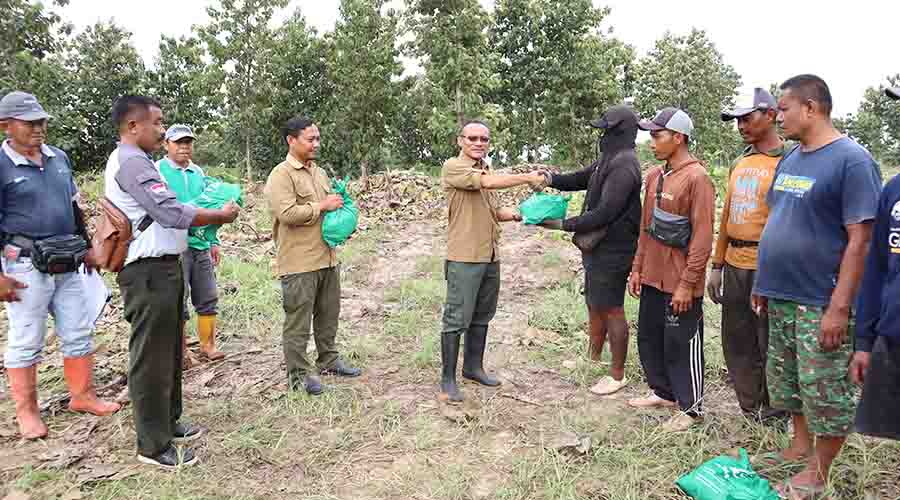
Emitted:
pixel 811 258
pixel 876 363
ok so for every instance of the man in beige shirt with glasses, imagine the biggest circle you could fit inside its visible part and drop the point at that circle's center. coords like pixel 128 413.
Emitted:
pixel 472 268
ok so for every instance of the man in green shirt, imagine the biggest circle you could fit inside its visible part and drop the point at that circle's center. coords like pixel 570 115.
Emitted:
pixel 188 181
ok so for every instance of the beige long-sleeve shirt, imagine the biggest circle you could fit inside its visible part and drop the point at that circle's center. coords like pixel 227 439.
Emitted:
pixel 474 229
pixel 294 191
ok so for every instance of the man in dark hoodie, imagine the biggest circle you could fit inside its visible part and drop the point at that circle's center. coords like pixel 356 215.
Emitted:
pixel 876 362
pixel 609 224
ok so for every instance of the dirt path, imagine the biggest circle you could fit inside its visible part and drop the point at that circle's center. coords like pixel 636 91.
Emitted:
pixel 384 435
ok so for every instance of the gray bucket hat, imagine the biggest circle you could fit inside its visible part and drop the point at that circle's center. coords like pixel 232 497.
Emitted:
pixel 21 106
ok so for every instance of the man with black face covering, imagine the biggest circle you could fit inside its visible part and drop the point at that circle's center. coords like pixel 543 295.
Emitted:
pixel 606 232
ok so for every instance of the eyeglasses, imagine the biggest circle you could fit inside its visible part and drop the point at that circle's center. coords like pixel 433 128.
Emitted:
pixel 478 138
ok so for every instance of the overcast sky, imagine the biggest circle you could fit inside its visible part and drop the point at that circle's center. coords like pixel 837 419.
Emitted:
pixel 849 44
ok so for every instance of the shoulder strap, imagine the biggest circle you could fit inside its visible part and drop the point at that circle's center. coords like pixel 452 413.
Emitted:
pixel 146 220
pixel 659 184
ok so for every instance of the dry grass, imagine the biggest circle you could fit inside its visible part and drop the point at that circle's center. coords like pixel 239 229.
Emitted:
pixel 384 436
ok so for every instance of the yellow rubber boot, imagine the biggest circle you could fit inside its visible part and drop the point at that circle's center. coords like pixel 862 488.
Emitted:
pixel 206 330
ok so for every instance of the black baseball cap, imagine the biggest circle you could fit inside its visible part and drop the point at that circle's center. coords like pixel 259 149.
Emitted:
pixel 762 100
pixel 615 116
pixel 893 92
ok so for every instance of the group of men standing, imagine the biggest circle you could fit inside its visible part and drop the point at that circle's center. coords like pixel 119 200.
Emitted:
pixel 166 265
pixel 795 230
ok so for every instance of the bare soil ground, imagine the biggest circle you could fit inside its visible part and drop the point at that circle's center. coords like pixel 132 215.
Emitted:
pixel 541 435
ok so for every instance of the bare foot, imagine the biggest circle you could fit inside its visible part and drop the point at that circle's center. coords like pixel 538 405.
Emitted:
pixel 794 455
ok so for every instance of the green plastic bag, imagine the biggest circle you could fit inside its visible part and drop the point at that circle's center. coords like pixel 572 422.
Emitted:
pixel 339 224
pixel 542 206
pixel 214 196
pixel 726 478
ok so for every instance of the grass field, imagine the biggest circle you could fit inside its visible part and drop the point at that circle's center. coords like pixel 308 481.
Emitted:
pixel 384 435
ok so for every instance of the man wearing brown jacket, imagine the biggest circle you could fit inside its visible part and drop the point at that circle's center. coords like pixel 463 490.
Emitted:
pixel 669 270
pixel 300 195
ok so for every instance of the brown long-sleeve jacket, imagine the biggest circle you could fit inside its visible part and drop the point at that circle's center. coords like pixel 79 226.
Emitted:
pixel 687 191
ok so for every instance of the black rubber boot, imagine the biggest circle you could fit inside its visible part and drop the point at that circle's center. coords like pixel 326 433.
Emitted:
pixel 449 357
pixel 473 358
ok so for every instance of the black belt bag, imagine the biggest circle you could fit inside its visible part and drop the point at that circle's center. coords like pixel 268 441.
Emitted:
pixel 669 229
pixel 58 254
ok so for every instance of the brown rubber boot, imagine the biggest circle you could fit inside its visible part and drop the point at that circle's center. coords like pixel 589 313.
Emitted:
pixel 23 387
pixel 206 330
pixel 79 374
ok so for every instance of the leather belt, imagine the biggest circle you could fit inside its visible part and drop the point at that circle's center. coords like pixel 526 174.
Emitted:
pixel 743 243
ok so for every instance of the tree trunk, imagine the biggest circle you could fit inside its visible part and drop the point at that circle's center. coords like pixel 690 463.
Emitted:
pixel 247 157
pixel 459 111
pixel 364 174
pixel 574 144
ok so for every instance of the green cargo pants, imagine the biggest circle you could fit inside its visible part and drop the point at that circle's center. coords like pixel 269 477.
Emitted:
pixel 152 292
pixel 310 298
pixel 472 293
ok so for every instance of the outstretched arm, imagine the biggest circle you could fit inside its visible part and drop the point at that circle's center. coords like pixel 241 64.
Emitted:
pixel 499 181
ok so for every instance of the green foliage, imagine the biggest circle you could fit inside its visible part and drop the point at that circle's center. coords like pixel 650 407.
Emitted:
pixel 876 125
pixel 186 87
pixel 30 60
pixel 363 64
pixel 688 72
pixel 240 42
pixel 27 27
pixel 585 71
pixel 103 65
pixel 299 69
pixel 536 70
pixel 558 71
pixel 451 43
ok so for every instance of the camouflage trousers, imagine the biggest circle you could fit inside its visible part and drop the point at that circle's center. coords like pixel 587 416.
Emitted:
pixel 805 379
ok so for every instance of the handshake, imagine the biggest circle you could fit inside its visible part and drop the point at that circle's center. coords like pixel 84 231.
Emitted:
pixel 538 180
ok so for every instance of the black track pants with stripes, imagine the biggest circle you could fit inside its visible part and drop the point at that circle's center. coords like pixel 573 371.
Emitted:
pixel 671 349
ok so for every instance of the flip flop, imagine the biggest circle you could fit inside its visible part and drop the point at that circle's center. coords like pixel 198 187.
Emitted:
pixel 773 459
pixel 789 491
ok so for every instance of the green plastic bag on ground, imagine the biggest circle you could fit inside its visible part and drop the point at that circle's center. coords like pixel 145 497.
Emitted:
pixel 726 478
pixel 214 196
pixel 542 206
pixel 339 224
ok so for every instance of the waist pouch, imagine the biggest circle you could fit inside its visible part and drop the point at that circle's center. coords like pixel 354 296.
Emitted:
pixel 59 254
pixel 667 228
pixel 670 229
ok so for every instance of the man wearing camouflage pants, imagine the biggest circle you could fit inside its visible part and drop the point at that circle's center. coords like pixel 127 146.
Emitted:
pixel 811 257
